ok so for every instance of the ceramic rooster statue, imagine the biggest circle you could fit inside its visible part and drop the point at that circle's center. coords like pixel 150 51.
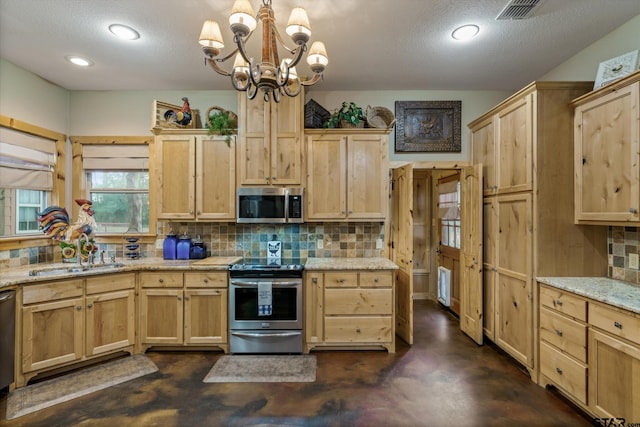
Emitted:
pixel 182 117
pixel 54 222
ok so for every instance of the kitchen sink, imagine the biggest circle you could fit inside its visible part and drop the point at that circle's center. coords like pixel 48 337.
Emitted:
pixel 74 269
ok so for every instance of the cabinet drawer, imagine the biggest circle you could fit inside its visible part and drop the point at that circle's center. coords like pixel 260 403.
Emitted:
pixel 379 279
pixel 566 334
pixel 111 282
pixel 357 329
pixel 341 279
pixel 210 279
pixel 564 302
pixel 617 322
pixel 566 373
pixel 357 301
pixel 52 291
pixel 161 280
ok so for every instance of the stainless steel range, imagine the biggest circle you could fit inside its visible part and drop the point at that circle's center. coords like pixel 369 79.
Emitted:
pixel 265 306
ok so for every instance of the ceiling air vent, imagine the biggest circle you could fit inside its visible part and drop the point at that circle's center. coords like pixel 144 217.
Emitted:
pixel 518 9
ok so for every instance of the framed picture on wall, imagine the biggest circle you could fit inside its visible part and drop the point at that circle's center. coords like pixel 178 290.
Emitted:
pixel 616 68
pixel 428 126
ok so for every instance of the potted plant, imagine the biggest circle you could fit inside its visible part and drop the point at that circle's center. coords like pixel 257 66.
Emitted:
pixel 222 122
pixel 349 115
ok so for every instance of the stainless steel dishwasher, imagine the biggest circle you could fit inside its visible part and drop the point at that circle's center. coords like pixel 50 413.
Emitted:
pixel 7 336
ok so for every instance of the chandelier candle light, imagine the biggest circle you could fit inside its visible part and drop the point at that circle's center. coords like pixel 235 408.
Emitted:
pixel 272 76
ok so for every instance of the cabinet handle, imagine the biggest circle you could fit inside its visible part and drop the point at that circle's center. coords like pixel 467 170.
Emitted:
pixel 633 210
pixel 273 178
pixel 206 280
pixel 186 298
pixel 559 332
pixel 358 330
pixel 558 302
pixel 79 308
pixel 375 280
pixel 89 305
pixel 617 325
pixel 191 212
pixel 558 370
pixel 340 280
pixel 161 280
pixel 198 213
pixel 179 299
pixel 314 280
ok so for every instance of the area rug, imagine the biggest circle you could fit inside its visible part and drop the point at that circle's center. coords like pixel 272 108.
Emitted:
pixel 26 400
pixel 263 369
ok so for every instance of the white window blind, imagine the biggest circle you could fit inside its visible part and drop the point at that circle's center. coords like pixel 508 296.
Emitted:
pixel 448 203
pixel 115 157
pixel 26 161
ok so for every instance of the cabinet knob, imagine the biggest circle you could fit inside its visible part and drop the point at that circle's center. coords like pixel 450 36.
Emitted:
pixel 206 280
pixel 350 212
pixel 617 325
pixel 179 299
pixel 191 212
pixel 198 213
pixel 314 280
pixel 358 330
pixel 79 307
pixel 340 280
pixel 273 178
pixel 558 302
pixel 375 280
pixel 186 298
pixel 559 332
pixel 633 210
pixel 161 280
pixel 89 305
pixel 558 370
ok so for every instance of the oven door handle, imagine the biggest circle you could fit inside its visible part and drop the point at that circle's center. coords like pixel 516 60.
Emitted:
pixel 254 284
pixel 269 334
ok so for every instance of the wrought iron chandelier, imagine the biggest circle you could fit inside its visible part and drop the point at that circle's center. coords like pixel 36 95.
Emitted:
pixel 270 75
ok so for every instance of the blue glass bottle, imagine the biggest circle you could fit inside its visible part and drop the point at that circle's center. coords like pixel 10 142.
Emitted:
pixel 169 246
pixel 183 247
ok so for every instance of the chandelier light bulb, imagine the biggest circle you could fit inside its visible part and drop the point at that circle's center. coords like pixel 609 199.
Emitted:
pixel 242 18
pixel 317 58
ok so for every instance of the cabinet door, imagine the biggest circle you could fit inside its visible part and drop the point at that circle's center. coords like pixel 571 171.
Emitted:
pixel 52 333
pixel 326 177
pixel 253 141
pixel 515 146
pixel 368 177
pixel 606 158
pixel 484 151
pixel 205 316
pixel 175 160
pixel 286 141
pixel 614 377
pixel 489 262
pixel 313 307
pixel 215 178
pixel 514 299
pixel 161 312
pixel 110 321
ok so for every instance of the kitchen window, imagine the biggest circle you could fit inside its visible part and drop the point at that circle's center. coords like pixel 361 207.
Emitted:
pixel 27 177
pixel 117 182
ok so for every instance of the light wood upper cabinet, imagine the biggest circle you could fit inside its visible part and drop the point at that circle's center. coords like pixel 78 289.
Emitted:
pixel 347 175
pixel 484 151
pixel 270 141
pixel 607 134
pixel 196 176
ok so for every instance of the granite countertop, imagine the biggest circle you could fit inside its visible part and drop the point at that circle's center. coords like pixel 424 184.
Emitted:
pixel 349 264
pixel 20 275
pixel 614 292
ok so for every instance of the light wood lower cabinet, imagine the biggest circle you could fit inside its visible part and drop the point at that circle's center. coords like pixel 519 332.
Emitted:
pixel 591 352
pixel 349 309
pixel 183 309
pixel 69 321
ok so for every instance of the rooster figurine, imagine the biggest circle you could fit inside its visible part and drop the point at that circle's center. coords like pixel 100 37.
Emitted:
pixel 182 117
pixel 54 223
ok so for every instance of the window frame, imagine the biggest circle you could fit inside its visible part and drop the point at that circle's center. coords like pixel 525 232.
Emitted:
pixel 451 224
pixel 81 189
pixel 57 195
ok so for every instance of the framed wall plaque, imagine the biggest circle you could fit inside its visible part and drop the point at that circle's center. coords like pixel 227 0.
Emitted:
pixel 616 68
pixel 428 126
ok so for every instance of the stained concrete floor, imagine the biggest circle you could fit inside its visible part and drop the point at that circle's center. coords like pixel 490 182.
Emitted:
pixel 444 379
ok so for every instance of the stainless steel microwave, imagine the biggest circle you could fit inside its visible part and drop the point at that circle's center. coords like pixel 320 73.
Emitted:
pixel 270 205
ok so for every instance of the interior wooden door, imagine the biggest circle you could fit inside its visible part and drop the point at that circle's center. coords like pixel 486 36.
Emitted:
pixel 449 233
pixel 471 304
pixel 402 255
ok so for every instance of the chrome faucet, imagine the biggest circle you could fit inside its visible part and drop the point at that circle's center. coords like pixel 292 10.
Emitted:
pixel 79 246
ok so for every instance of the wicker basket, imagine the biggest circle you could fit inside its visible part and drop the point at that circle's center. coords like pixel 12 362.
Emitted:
pixel 315 115
pixel 346 125
pixel 380 117
pixel 215 109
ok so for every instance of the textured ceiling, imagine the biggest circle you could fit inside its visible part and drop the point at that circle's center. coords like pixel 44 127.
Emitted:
pixel 372 44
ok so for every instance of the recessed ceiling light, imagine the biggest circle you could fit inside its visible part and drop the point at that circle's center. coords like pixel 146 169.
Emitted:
pixel 124 32
pixel 80 61
pixel 465 32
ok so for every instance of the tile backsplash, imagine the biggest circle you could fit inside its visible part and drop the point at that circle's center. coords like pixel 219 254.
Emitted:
pixel 622 242
pixel 356 240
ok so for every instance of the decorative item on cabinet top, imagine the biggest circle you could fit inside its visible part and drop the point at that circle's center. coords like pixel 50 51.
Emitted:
pixel 222 121
pixel 616 68
pixel 169 116
pixel 349 115
pixel 315 115
pixel 380 117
